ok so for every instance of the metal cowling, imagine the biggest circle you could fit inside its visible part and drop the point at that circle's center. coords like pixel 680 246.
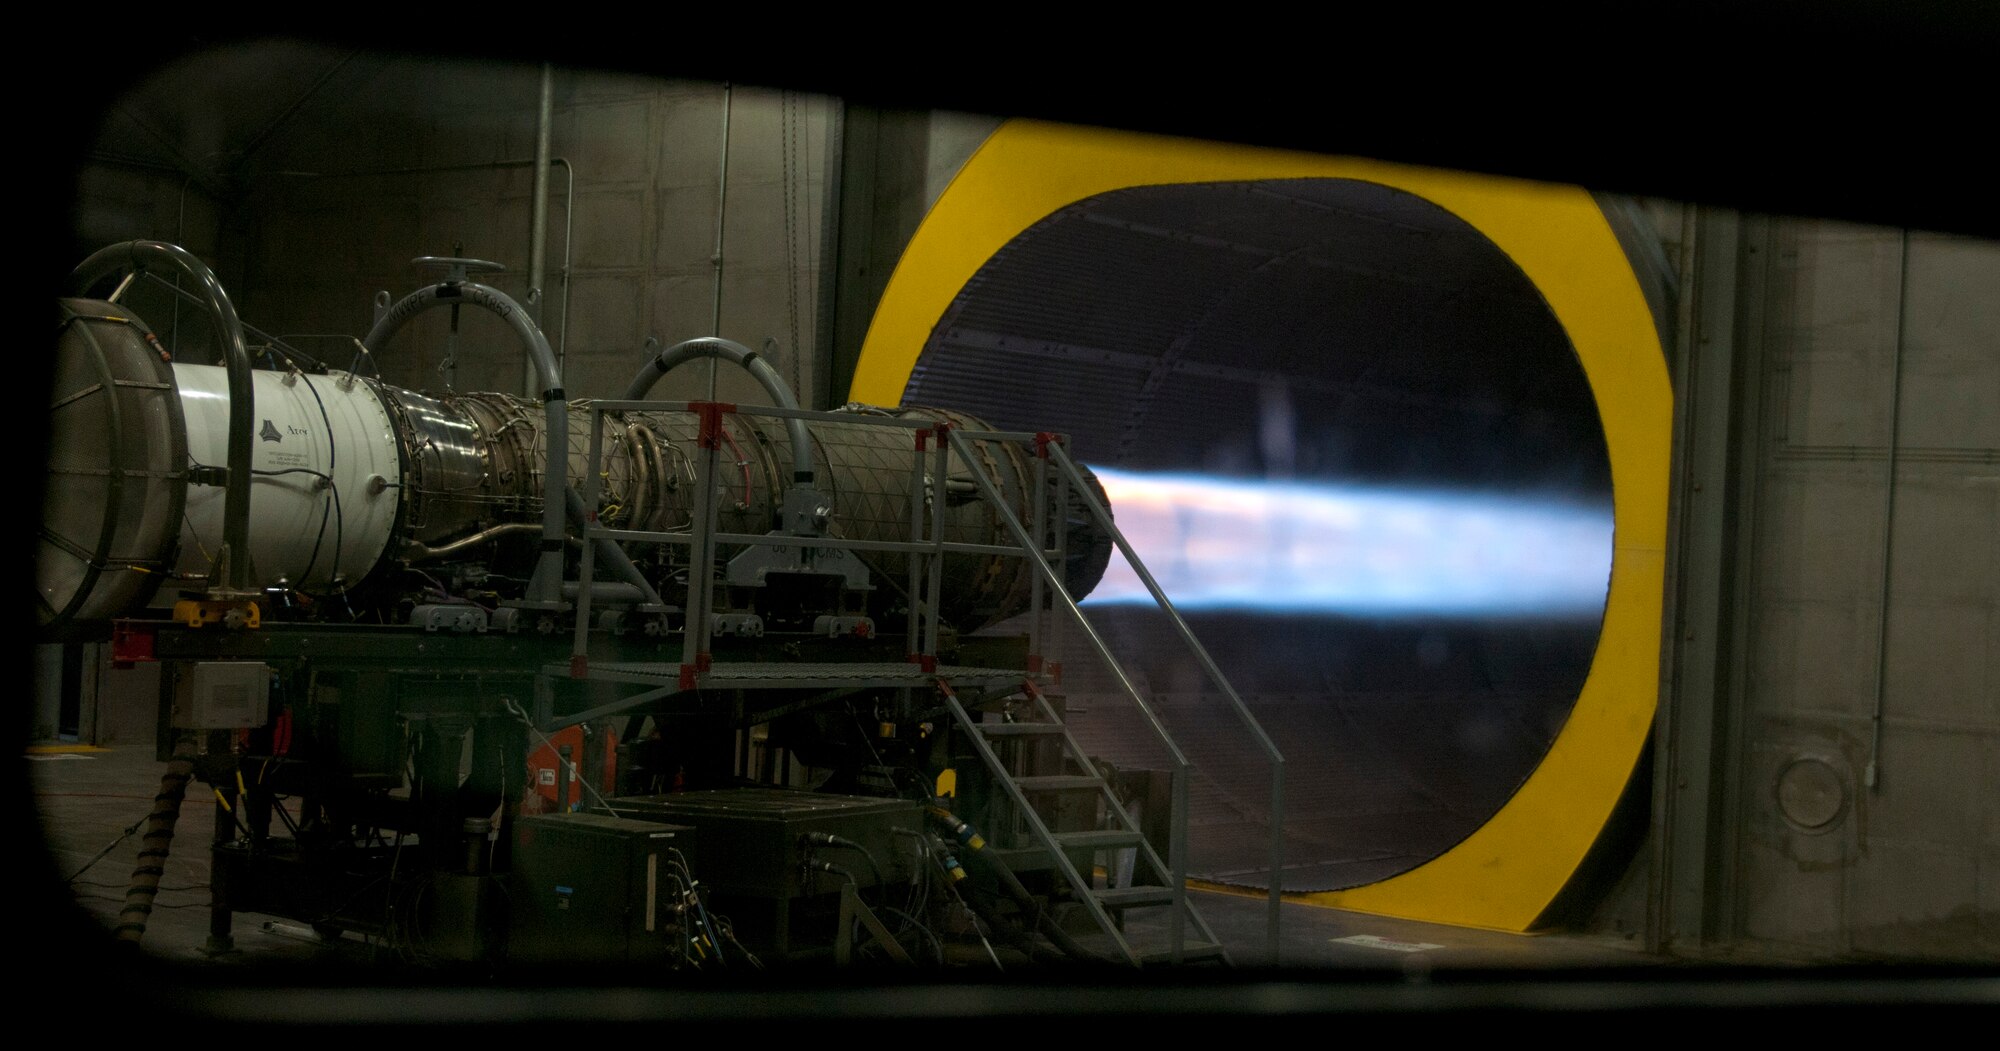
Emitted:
pixel 475 466
pixel 117 459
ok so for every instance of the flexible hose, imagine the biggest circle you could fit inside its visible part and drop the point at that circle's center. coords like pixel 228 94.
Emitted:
pixel 828 839
pixel 976 847
pixel 153 849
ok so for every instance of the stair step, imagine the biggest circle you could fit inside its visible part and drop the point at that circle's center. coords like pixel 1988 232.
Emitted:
pixel 1074 856
pixel 1191 951
pixel 1097 839
pixel 1029 857
pixel 1021 729
pixel 1133 897
pixel 1058 782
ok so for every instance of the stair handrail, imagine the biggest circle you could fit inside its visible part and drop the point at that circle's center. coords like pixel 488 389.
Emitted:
pixel 949 439
pixel 1098 511
pixel 1032 548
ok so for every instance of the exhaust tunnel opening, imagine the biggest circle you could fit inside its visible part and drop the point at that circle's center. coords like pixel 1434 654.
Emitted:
pixel 1358 448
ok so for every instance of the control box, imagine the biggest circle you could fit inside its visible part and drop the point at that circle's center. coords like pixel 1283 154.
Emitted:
pixel 589 888
pixel 754 840
pixel 222 695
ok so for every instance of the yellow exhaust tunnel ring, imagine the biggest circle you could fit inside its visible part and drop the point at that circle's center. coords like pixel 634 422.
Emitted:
pixel 1504 875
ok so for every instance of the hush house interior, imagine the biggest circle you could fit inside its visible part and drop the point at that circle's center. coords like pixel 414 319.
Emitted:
pixel 1293 386
pixel 1173 516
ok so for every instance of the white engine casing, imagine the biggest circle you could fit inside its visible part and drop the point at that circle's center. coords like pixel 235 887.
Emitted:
pixel 303 531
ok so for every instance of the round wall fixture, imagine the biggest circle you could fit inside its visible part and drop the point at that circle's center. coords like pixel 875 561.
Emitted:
pixel 1812 795
pixel 1351 343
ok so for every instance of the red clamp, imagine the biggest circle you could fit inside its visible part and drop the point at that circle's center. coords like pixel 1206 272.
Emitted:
pixel 1055 673
pixel 687 676
pixel 702 661
pixel 579 666
pixel 923 439
pixel 281 733
pixel 131 643
pixel 711 412
pixel 1042 441
pixel 1034 664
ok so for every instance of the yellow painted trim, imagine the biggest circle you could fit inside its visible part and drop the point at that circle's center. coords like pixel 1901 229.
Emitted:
pixel 64 749
pixel 1507 872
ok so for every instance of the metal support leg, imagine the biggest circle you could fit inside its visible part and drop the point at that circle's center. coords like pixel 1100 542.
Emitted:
pixel 220 916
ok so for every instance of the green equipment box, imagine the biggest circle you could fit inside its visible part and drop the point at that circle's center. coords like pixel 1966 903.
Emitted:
pixel 587 888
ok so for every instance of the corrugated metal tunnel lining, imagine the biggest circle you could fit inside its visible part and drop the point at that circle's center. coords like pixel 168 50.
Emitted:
pixel 1312 336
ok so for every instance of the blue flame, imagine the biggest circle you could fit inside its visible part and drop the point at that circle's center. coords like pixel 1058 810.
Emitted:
pixel 1262 545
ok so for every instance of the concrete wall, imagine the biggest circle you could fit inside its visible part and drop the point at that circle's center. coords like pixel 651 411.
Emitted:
pixel 47 722
pixel 1911 865
pixel 1829 745
pixel 117 202
pixel 306 253
pixel 894 166
pixel 915 157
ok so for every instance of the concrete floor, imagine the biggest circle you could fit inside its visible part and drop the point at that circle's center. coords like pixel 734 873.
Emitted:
pixel 1344 970
pixel 87 798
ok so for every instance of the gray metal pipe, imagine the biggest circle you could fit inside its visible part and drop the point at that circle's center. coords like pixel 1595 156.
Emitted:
pixel 721 222
pixel 180 234
pixel 538 221
pixel 604 591
pixel 417 552
pixel 135 256
pixel 729 350
pixel 569 242
pixel 538 213
pixel 1871 774
pixel 543 585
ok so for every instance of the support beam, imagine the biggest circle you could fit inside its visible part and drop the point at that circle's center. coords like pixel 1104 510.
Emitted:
pixel 1717 365
pixel 850 291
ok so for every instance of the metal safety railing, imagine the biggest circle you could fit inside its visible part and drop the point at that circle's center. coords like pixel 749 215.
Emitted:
pixel 1050 449
pixel 936 441
pixel 1270 748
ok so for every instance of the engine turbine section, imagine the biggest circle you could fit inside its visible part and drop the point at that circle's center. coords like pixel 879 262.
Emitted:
pixel 362 490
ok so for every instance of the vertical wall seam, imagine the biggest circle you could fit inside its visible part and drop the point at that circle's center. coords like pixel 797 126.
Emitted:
pixel 1870 777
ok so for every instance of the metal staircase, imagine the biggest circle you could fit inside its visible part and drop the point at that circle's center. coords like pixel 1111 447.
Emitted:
pixel 1151 891
pixel 1079 855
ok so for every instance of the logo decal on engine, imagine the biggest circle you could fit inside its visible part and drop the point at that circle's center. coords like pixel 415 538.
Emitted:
pixel 270 432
